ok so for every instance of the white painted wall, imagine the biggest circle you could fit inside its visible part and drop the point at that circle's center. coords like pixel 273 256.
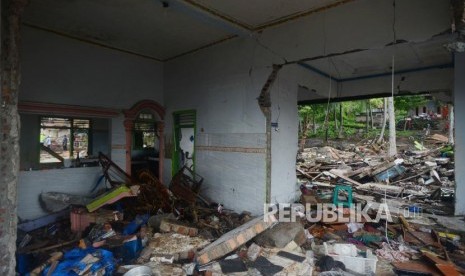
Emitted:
pixel 60 70
pixel 57 69
pixel 459 102
pixel 76 181
pixel 284 138
pixel 222 85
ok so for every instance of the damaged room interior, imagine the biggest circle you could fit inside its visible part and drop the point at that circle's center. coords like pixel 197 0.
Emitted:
pixel 260 137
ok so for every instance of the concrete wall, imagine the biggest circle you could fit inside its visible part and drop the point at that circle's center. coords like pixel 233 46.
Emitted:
pixel 60 70
pixel 57 69
pixel 459 102
pixel 218 86
pixel 76 181
pixel 284 137
pixel 223 84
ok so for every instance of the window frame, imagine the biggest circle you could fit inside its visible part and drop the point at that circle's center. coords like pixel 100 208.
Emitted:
pixel 72 129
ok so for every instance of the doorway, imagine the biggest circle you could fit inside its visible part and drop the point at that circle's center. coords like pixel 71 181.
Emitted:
pixel 145 144
pixel 184 140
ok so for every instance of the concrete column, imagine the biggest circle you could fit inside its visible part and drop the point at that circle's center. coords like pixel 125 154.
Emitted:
pixel 10 74
pixel 459 103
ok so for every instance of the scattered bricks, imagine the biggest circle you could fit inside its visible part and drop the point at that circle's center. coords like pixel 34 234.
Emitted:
pixel 235 238
pixel 171 225
pixel 253 252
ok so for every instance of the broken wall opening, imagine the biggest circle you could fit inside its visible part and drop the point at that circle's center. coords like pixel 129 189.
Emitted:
pixel 341 144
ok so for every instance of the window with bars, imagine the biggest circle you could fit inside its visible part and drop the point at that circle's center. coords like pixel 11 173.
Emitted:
pixel 145 132
pixel 64 138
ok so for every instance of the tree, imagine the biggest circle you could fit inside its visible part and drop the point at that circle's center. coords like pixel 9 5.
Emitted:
pixel 335 117
pixel 305 113
pixel 367 118
pixel 383 127
pixel 406 103
pixel 341 117
pixel 451 124
pixel 392 128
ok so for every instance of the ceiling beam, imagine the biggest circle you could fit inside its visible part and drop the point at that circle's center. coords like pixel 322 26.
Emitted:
pixel 233 22
pixel 208 16
pixel 296 16
pixel 80 39
pixel 67 35
pixel 366 97
pixel 400 72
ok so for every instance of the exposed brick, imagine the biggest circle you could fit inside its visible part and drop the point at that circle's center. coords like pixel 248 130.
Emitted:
pixel 170 225
pixel 233 239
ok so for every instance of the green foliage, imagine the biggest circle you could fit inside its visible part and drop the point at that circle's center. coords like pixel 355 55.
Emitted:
pixel 377 103
pixel 406 103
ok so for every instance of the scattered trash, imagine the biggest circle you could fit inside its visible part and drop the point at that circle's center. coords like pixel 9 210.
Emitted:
pixel 136 226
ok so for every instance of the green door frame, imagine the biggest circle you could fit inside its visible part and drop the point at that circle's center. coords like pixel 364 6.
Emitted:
pixel 176 134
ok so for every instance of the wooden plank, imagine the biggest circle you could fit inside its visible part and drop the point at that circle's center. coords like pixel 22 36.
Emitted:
pixel 416 267
pixel 340 175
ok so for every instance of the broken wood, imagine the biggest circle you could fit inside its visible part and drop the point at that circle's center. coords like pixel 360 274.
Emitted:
pixel 343 177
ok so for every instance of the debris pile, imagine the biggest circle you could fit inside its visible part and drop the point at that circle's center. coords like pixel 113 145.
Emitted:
pixel 404 230
pixel 425 178
pixel 129 224
pixel 359 213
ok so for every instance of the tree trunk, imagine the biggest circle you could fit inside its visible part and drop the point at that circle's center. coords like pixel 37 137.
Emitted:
pixel 11 11
pixel 392 128
pixel 335 118
pixel 371 115
pixel 326 125
pixel 367 119
pixel 305 127
pixel 314 122
pixel 341 126
pixel 451 124
pixel 383 128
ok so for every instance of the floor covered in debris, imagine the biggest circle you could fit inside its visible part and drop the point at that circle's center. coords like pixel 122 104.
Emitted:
pixel 360 213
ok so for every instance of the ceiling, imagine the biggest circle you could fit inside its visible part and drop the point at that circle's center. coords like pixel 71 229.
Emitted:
pixel 166 29
pixel 257 14
pixel 163 29
pixel 408 56
pixel 140 26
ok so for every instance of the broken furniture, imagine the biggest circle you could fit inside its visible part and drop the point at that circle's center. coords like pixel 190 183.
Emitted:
pixel 345 189
pixel 185 186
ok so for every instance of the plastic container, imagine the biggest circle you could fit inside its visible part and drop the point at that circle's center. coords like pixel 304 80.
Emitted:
pixel 360 265
pixel 139 271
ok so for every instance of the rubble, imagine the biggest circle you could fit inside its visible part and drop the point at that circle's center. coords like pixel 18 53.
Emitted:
pixel 414 184
pixel 281 235
pixel 138 224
